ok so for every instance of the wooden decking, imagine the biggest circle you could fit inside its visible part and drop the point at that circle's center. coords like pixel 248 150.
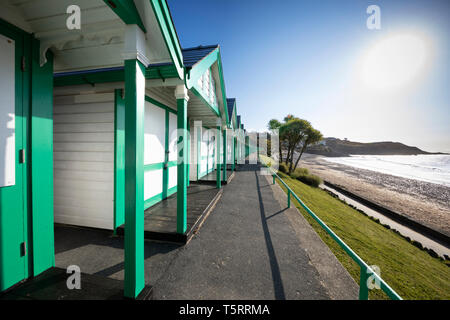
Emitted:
pixel 160 220
pixel 211 178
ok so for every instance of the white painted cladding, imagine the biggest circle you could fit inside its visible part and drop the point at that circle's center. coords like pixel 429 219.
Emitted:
pixel 173 138
pixel 229 148
pixel 194 151
pixel 83 148
pixel 154 148
pixel 207 152
pixel 7 112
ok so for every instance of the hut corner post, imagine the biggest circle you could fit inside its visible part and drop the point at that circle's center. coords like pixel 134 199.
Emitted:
pixel 134 177
pixel 181 94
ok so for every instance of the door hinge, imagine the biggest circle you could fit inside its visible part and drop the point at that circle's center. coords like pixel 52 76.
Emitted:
pixel 23 249
pixel 22 156
pixel 23 64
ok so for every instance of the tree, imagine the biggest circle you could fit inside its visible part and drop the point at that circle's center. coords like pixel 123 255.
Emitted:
pixel 293 132
pixel 312 136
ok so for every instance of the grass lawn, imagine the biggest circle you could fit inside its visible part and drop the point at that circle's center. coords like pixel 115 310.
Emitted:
pixel 410 271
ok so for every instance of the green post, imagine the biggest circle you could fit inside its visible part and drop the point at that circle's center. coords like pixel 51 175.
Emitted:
pixel 363 289
pixel 247 146
pixel 225 153
pixel 218 169
pixel 273 179
pixel 134 177
pixel 233 158
pixel 289 199
pixel 188 169
pixel 182 99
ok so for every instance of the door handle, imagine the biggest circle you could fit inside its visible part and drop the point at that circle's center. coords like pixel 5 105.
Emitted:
pixel 22 156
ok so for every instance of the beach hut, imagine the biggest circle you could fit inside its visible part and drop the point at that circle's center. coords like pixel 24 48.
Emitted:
pixel 234 134
pixel 241 141
pixel 95 124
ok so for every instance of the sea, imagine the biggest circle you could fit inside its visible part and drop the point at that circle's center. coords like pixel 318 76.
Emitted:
pixel 429 168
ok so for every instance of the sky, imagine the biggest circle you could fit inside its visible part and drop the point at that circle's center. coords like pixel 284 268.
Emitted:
pixel 319 61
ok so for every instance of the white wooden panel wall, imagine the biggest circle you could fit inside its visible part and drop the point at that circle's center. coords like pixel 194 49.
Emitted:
pixel 154 148
pixel 229 148
pixel 173 177
pixel 173 125
pixel 194 152
pixel 210 151
pixel 154 134
pixel 204 151
pixel 153 183
pixel 7 112
pixel 83 144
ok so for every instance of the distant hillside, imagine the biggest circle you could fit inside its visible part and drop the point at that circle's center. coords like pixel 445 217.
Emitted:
pixel 333 147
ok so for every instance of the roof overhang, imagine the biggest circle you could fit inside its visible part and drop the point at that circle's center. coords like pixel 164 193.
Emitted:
pixel 233 120
pixel 105 27
pixel 213 61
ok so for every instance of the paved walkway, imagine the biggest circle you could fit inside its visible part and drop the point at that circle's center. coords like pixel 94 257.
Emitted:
pixel 252 247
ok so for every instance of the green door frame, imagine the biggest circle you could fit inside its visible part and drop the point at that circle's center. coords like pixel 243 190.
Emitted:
pixel 225 155
pixel 14 263
pixel 119 158
pixel 34 86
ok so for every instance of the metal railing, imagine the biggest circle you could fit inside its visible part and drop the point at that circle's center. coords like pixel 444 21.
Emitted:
pixel 366 270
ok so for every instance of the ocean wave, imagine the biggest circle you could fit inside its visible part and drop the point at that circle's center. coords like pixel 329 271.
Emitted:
pixel 429 168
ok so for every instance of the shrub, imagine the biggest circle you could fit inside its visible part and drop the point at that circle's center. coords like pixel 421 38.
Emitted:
pixel 283 167
pixel 299 172
pixel 310 179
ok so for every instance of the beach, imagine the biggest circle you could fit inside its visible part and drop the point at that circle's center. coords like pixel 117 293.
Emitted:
pixel 425 202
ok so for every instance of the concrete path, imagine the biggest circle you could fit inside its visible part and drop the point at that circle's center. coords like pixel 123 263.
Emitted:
pixel 253 247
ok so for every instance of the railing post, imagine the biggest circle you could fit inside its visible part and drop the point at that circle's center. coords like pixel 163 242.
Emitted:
pixel 273 179
pixel 363 289
pixel 289 198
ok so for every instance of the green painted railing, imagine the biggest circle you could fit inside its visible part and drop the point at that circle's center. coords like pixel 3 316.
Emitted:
pixel 366 271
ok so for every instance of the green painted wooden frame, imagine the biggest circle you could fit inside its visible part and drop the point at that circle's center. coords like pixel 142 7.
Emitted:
pixel 162 13
pixel 14 218
pixel 201 174
pixel 166 192
pixel 36 123
pixel 134 178
pixel 119 158
pixel 152 72
pixel 127 12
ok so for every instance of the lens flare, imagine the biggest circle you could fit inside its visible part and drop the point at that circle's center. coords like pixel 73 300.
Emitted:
pixel 395 61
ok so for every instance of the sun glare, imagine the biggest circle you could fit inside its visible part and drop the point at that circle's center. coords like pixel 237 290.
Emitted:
pixel 395 61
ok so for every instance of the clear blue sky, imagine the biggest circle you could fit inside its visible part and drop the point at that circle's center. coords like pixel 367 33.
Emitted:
pixel 304 58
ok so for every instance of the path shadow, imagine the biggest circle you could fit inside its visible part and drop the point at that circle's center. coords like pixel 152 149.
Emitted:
pixel 276 275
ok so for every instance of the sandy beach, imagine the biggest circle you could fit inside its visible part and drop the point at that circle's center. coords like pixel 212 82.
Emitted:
pixel 424 202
